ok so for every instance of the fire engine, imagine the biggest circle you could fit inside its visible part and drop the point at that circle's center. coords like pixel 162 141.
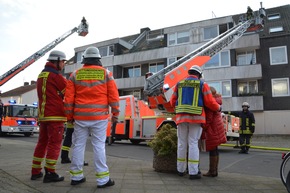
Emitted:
pixel 12 122
pixel 136 121
pixel 158 89
pixel 19 119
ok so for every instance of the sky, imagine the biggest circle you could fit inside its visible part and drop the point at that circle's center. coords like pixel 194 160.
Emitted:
pixel 29 25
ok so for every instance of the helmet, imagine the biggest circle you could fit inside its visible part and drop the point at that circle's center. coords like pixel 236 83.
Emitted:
pixel 56 55
pixel 196 68
pixel 245 104
pixel 92 52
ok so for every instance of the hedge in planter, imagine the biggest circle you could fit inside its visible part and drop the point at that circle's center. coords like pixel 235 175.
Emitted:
pixel 164 146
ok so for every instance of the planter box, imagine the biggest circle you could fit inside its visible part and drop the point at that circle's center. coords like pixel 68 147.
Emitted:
pixel 167 164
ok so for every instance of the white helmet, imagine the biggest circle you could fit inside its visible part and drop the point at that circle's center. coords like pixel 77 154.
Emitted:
pixel 245 104
pixel 196 68
pixel 56 55
pixel 92 52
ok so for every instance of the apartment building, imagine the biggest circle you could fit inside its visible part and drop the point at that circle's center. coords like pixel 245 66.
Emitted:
pixel 255 68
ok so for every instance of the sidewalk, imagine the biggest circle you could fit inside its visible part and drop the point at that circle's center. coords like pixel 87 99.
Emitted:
pixel 131 176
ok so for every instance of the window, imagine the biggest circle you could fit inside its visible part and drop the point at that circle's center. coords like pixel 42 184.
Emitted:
pixel 133 71
pixel 246 58
pixel 182 37
pixel 275 29
pixel 247 87
pixel 221 59
pixel 210 32
pixel 222 87
pixel 178 38
pixel 274 16
pixel 171 60
pixel 280 87
pixel 155 67
pixel 278 55
pixel 107 51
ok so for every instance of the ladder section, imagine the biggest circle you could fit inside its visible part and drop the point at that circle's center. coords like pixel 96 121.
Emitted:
pixel 154 83
pixel 82 30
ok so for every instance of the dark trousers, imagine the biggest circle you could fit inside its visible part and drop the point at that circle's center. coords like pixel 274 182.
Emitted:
pixel 245 141
pixel 66 143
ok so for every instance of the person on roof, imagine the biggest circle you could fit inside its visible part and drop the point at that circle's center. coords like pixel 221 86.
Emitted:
pixel 189 98
pixel 50 91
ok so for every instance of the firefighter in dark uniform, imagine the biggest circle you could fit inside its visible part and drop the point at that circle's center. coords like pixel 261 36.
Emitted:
pixel 247 128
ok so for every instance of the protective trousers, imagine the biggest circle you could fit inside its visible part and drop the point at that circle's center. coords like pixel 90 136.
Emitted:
pixel 245 141
pixel 188 135
pixel 48 146
pixel 66 143
pixel 81 133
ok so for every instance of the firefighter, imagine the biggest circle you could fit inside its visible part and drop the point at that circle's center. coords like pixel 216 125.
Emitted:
pixel 50 91
pixel 250 14
pixel 67 145
pixel 247 128
pixel 189 98
pixel 89 93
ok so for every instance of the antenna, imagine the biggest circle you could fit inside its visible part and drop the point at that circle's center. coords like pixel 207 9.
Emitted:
pixel 213 15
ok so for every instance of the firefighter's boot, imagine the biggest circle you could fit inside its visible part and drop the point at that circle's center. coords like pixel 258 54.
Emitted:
pixel 213 167
pixel 52 177
pixel 64 157
pixel 243 149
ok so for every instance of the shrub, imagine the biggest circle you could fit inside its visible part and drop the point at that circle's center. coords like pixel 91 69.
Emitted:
pixel 164 142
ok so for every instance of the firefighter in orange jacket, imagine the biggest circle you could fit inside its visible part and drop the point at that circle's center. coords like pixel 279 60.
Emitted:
pixel 91 90
pixel 189 98
pixel 50 90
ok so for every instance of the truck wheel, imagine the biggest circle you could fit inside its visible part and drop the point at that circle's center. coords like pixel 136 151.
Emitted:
pixel 27 134
pixel 135 141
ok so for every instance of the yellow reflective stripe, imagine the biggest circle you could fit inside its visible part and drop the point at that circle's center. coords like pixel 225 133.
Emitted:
pixel 193 161
pixel 44 81
pixel 38 159
pixel 50 166
pixel 43 75
pixel 76 173
pixel 90 74
pixel 52 118
pixel 50 161
pixel 188 109
pixel 65 148
pixel 102 174
pixel 181 159
pixel 36 166
pixel 195 96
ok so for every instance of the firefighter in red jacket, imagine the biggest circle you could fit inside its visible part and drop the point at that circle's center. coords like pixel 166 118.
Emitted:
pixel 91 90
pixel 189 98
pixel 50 91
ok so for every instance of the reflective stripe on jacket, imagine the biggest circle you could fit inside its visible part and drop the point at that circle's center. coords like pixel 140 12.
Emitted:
pixel 204 98
pixel 247 122
pixel 90 91
pixel 50 91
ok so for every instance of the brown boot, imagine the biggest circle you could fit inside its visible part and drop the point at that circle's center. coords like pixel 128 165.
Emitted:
pixel 213 165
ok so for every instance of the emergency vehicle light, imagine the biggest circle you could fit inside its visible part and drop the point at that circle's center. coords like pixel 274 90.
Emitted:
pixel 35 104
pixel 19 122
pixel 12 101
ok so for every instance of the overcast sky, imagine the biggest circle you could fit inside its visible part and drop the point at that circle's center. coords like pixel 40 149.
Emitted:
pixel 29 25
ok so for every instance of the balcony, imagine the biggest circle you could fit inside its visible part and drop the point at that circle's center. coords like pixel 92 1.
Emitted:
pixel 253 71
pixel 135 82
pixel 235 103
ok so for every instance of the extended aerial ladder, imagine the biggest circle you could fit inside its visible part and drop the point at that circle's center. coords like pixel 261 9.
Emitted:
pixel 82 30
pixel 159 86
